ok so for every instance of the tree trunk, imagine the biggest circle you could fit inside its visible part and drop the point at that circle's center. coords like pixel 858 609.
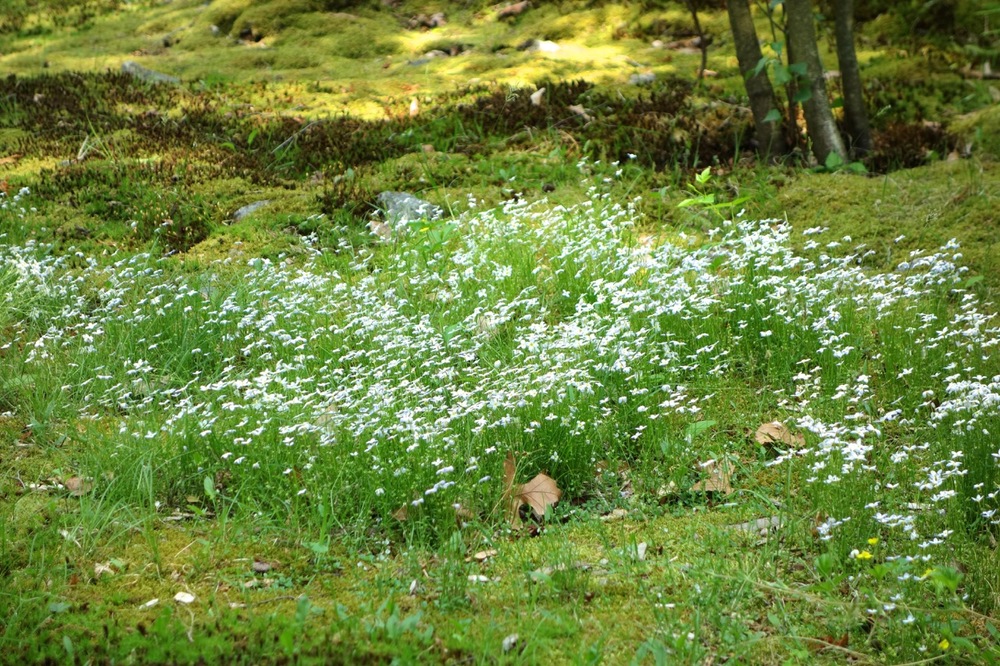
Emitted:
pixel 855 114
pixel 770 141
pixel 823 130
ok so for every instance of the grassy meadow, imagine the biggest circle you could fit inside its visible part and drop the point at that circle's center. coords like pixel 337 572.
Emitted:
pixel 633 399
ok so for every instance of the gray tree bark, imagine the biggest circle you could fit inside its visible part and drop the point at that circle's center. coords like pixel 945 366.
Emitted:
pixel 770 140
pixel 855 114
pixel 801 33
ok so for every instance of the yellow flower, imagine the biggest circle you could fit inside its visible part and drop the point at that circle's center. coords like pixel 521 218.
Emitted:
pixel 872 541
pixel 944 644
pixel 864 555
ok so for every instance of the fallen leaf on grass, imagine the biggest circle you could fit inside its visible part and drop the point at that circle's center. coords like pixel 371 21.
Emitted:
pixel 718 481
pixel 580 111
pixel 78 486
pixel 539 493
pixel 778 433
pixel 482 555
pixel 101 568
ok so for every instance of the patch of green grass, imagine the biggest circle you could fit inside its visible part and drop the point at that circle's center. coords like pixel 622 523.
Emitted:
pixel 184 395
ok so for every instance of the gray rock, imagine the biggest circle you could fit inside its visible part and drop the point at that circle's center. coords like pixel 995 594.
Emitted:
pixel 140 72
pixel 399 208
pixel 250 208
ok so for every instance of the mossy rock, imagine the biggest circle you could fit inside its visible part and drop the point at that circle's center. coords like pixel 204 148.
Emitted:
pixel 981 129
pixel 923 207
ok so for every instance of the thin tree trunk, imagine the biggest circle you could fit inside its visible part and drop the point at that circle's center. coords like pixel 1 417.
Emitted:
pixel 703 39
pixel 823 130
pixel 855 114
pixel 770 141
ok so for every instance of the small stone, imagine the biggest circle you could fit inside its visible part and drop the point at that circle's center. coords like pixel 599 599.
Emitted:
pixel 642 79
pixel 184 597
pixel 140 72
pixel 261 567
pixel 250 208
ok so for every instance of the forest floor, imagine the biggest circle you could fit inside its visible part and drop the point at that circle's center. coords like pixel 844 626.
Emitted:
pixel 284 438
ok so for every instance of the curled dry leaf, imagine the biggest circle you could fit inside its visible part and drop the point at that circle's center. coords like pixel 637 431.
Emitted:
pixel 778 433
pixel 78 486
pixel 580 111
pixel 539 493
pixel 718 481
pixel 101 568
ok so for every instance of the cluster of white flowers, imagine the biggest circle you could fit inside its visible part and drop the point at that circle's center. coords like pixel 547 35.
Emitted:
pixel 408 372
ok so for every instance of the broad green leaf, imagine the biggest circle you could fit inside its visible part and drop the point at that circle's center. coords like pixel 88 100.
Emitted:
pixel 803 95
pixel 772 116
pixel 782 75
pixel 209 485
pixel 760 67
pixel 695 429
pixel 697 201
pixel 799 69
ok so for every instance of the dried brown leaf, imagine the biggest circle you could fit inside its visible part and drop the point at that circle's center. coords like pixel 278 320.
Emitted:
pixel 539 493
pixel 78 486
pixel 509 468
pixel 483 555
pixel 778 433
pixel 401 513
pixel 719 476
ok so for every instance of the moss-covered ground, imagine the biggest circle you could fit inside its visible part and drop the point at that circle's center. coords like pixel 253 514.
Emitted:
pixel 316 109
